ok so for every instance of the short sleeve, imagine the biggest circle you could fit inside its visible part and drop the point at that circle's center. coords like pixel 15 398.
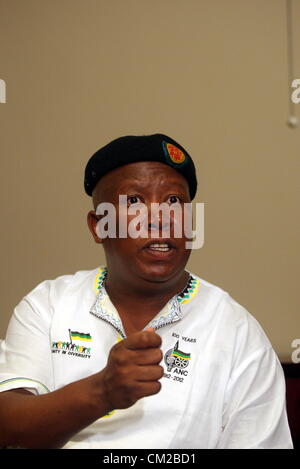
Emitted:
pixel 254 414
pixel 25 354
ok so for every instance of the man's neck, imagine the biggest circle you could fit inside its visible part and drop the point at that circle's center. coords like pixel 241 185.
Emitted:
pixel 138 306
pixel 123 290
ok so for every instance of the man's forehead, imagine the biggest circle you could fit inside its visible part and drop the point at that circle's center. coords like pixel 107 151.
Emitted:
pixel 140 168
pixel 140 185
pixel 141 174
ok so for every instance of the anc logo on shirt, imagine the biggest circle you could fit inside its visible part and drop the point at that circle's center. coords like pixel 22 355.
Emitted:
pixel 174 153
pixel 79 345
pixel 175 358
pixel 177 362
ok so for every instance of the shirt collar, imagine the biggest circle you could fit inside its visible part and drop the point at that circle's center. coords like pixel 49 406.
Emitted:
pixel 171 312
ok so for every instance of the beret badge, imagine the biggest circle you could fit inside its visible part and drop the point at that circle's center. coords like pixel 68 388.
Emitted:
pixel 173 153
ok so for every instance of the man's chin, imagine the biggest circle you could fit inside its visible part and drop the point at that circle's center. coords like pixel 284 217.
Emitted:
pixel 159 273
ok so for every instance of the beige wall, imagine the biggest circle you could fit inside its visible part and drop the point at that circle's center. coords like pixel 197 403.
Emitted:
pixel 210 73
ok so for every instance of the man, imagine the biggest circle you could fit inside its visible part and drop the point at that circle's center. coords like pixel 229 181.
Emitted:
pixel 139 353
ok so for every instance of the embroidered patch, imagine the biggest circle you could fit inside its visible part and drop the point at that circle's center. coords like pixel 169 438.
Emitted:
pixel 79 336
pixel 177 361
pixel 77 346
pixel 174 153
pixel 176 358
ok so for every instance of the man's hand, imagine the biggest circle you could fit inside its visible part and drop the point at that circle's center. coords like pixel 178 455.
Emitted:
pixel 132 372
pixel 133 369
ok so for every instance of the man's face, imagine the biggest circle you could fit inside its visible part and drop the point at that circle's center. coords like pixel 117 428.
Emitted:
pixel 143 183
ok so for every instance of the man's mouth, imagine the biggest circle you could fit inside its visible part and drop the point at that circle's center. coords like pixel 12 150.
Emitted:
pixel 158 247
pixel 163 247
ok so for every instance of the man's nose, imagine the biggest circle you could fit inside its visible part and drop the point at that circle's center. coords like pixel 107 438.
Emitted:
pixel 159 220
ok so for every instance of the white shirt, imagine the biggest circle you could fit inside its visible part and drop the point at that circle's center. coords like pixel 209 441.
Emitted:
pixel 223 385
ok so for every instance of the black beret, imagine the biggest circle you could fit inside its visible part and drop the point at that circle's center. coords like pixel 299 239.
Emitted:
pixel 134 148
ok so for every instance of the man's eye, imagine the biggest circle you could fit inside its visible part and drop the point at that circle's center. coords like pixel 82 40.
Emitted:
pixel 133 199
pixel 173 199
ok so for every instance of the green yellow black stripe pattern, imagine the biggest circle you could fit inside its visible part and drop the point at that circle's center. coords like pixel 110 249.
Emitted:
pixel 100 277
pixel 190 290
pixel 179 354
pixel 74 335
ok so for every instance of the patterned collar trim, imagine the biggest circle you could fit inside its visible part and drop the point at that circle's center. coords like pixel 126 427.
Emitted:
pixel 104 309
pixel 190 290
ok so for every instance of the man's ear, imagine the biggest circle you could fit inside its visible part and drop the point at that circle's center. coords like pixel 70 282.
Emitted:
pixel 92 220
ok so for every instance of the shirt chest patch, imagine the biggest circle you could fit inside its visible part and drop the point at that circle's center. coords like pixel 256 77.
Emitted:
pixel 75 343
pixel 177 359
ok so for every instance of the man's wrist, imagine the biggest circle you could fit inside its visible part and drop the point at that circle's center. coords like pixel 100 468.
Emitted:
pixel 98 396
